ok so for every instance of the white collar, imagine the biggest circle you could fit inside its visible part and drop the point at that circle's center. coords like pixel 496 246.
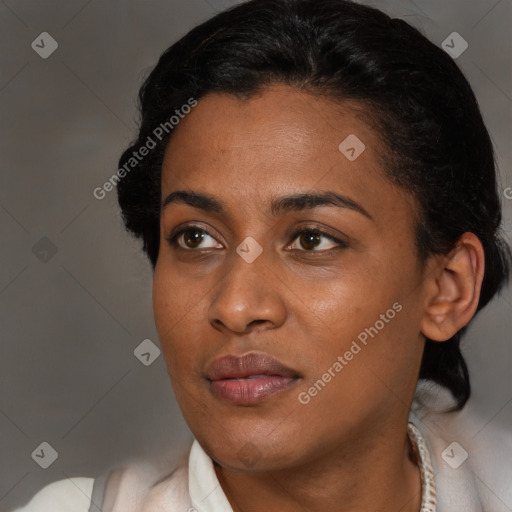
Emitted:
pixel 204 487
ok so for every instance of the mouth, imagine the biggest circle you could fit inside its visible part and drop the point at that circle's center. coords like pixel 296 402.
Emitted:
pixel 249 379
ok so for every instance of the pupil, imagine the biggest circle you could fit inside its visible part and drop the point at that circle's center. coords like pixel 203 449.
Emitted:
pixel 193 238
pixel 310 240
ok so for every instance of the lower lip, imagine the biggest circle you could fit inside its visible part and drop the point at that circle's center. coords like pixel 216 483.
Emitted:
pixel 250 391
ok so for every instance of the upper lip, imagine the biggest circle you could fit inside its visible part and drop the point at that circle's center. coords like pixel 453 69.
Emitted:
pixel 253 363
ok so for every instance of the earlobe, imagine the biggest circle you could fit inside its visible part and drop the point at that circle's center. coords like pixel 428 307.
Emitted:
pixel 454 289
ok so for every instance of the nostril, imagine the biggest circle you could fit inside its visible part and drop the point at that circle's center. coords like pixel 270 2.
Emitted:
pixel 256 322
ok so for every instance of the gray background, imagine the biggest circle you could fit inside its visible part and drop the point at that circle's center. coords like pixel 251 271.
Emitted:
pixel 69 325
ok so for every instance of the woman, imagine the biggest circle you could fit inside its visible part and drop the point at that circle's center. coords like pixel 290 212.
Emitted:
pixel 315 188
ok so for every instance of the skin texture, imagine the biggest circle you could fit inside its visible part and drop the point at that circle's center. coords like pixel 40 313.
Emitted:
pixel 303 303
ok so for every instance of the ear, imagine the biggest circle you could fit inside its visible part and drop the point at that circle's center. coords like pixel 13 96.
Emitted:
pixel 453 289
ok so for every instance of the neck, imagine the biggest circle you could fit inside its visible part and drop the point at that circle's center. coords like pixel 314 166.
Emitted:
pixel 375 473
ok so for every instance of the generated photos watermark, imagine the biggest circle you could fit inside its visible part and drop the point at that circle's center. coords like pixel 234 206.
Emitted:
pixel 304 397
pixel 137 156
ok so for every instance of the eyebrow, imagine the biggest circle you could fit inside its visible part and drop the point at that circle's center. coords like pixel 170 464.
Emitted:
pixel 278 206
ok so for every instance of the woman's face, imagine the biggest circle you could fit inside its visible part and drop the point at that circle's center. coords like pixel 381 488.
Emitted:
pixel 330 288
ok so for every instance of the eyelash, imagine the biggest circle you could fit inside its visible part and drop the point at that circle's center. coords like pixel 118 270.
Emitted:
pixel 173 238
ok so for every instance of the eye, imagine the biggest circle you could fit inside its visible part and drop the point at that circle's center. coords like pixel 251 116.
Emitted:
pixel 191 237
pixel 311 239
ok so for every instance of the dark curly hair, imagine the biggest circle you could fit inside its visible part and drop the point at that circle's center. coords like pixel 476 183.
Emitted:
pixel 437 146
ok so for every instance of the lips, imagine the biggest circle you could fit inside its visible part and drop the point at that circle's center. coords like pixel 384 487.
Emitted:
pixel 249 379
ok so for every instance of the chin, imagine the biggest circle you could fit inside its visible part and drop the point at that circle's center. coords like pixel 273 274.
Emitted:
pixel 247 450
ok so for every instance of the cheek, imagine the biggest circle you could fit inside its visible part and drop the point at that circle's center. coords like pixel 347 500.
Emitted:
pixel 164 299
pixel 372 305
pixel 173 300
pixel 172 307
pixel 366 368
pixel 349 300
pixel 179 312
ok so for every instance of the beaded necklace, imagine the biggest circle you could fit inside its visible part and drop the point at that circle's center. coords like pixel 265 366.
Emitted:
pixel 428 484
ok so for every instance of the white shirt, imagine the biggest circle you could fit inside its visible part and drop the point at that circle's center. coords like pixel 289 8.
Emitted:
pixel 482 482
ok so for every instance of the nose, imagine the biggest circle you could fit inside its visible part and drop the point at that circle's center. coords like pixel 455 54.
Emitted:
pixel 248 296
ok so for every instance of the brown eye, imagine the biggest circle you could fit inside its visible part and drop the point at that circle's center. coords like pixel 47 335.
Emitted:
pixel 309 239
pixel 313 240
pixel 192 237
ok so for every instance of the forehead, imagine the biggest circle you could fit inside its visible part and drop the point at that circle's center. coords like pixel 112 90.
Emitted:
pixel 281 125
pixel 281 141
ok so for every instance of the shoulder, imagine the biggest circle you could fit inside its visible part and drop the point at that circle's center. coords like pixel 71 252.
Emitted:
pixel 135 485
pixel 68 495
pixel 471 457
pixel 144 486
